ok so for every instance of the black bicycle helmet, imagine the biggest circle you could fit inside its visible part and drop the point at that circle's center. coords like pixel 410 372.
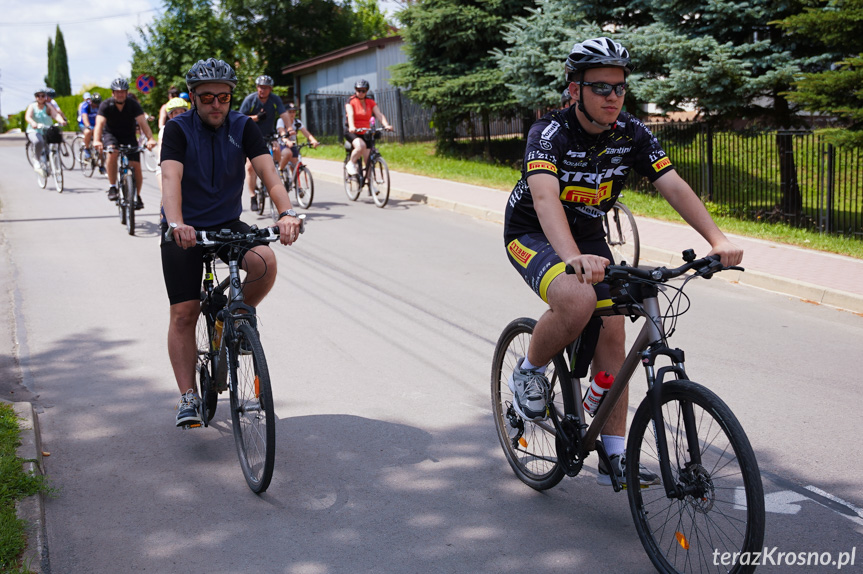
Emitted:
pixel 119 84
pixel 596 53
pixel 264 80
pixel 96 98
pixel 211 70
pixel 362 85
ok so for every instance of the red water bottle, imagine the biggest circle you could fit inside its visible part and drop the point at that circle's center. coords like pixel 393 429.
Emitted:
pixel 599 385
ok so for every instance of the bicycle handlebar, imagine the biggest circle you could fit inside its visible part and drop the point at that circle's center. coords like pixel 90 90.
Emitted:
pixel 705 267
pixel 225 236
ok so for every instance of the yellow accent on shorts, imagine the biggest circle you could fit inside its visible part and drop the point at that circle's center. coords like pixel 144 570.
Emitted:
pixel 603 303
pixel 548 277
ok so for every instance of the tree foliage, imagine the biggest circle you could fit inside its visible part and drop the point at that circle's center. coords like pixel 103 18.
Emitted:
pixel 283 32
pixel 58 66
pixel 187 31
pixel 838 26
pixel 450 66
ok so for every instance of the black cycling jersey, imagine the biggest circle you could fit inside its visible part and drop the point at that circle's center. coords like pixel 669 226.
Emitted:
pixel 591 169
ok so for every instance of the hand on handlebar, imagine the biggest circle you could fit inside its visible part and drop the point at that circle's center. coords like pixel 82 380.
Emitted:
pixel 729 254
pixel 184 235
pixel 289 229
pixel 589 268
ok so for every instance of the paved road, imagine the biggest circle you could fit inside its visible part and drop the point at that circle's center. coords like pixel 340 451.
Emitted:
pixel 379 335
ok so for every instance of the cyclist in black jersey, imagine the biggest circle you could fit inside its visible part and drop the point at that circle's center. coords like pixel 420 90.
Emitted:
pixel 575 164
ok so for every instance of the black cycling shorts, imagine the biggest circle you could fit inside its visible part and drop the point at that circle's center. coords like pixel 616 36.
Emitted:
pixel 109 139
pixel 183 269
pixel 538 263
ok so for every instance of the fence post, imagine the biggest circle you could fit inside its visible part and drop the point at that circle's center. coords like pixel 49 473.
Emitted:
pixel 400 115
pixel 709 162
pixel 830 172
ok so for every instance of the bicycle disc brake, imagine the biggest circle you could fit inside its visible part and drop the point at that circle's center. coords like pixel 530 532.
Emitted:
pixel 568 441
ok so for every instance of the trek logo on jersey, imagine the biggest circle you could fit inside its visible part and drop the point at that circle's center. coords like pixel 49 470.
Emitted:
pixel 587 177
pixel 549 131
pixel 537 164
pixel 520 253
pixel 586 195
pixel 661 164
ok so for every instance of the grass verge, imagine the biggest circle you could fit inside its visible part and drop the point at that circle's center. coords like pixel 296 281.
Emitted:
pixel 420 159
pixel 15 485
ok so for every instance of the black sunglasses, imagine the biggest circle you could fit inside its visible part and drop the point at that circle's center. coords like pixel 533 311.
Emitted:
pixel 224 98
pixel 604 89
pixel 362 90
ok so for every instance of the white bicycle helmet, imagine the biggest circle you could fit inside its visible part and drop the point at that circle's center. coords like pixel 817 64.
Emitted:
pixel 597 53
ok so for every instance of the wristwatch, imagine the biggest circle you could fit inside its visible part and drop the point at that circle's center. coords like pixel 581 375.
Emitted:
pixel 290 212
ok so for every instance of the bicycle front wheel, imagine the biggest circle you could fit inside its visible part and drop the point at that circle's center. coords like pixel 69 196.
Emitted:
pixel 304 187
pixel 723 505
pixel 30 152
pixel 379 181
pixel 530 447
pixel 57 169
pixel 67 154
pixel 252 413
pixel 352 183
pixel 622 235
pixel 129 195
pixel 209 394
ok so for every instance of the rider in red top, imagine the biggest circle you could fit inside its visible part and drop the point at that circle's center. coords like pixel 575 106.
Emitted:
pixel 359 111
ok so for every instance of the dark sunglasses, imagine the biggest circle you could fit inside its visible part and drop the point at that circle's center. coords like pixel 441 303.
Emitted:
pixel 41 96
pixel 224 98
pixel 604 89
pixel 363 91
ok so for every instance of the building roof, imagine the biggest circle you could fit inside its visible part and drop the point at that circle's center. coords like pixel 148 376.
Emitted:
pixel 340 53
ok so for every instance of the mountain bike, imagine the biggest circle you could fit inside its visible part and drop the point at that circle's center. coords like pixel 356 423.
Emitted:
pixel 127 197
pixel 621 234
pixel 376 175
pixel 230 355
pixel 50 160
pixel 711 496
pixel 300 179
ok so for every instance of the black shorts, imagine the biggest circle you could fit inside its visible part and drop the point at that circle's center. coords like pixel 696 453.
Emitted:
pixel 183 269
pixel 109 139
pixel 538 263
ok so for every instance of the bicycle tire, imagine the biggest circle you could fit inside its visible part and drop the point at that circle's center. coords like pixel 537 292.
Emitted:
pixel 129 195
pixel 379 181
pixel 42 178
pixel 304 187
pixel 352 183
pixel 88 165
pixel 28 151
pixel 252 415
pixel 209 395
pixel 534 460
pixel 56 169
pixel 262 197
pixel 67 156
pixel 77 148
pixel 682 535
pixel 621 233
pixel 151 160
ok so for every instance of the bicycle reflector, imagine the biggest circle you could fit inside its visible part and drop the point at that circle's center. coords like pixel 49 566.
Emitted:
pixel 681 539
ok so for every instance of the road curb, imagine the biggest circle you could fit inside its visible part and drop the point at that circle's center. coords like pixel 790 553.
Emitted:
pixel 32 509
pixel 809 292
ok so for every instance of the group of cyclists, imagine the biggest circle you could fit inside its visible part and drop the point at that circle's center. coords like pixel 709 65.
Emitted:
pixel 575 164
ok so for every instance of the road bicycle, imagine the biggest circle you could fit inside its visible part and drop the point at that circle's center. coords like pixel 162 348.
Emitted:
pixel 621 234
pixel 376 175
pixel 231 357
pixel 299 178
pixel 51 165
pixel 127 197
pixel 711 496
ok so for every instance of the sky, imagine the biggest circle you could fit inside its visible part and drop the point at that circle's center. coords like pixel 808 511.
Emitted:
pixel 96 34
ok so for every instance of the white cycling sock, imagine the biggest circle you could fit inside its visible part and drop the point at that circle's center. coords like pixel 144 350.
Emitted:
pixel 527 365
pixel 613 444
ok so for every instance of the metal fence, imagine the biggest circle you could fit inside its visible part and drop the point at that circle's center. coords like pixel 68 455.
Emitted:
pixel 769 175
pixel 325 117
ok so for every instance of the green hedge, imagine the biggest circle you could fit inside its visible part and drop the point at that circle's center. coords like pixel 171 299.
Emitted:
pixel 69 105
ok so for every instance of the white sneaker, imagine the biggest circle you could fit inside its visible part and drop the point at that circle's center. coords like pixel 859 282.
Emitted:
pixel 40 170
pixel 351 167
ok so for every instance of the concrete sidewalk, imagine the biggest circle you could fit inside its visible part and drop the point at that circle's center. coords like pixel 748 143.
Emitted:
pixel 815 276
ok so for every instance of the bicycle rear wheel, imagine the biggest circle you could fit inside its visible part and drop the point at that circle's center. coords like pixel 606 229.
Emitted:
pixel 67 155
pixel 77 148
pixel 56 169
pixel 129 195
pixel 530 447
pixel 304 187
pixel 379 181
pixel 621 234
pixel 252 413
pixel 724 507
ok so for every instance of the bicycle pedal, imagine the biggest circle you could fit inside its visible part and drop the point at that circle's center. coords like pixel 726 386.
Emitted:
pixel 191 426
